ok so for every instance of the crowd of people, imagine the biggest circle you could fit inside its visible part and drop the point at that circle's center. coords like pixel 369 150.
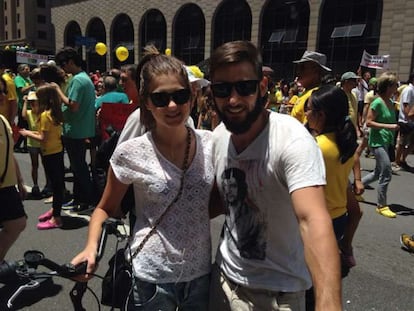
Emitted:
pixel 239 144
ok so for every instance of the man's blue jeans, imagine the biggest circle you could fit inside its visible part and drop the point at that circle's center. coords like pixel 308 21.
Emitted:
pixel 82 184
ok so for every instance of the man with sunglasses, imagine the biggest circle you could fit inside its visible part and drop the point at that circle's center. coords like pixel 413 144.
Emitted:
pixel 284 178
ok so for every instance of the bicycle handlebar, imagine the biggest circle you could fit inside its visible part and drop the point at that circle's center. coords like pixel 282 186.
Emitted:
pixel 26 269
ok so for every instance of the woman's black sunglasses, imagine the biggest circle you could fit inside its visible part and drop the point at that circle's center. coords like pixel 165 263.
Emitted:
pixel 243 88
pixel 162 99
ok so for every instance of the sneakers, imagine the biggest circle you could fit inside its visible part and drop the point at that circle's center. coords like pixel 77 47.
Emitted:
pixel 386 212
pixel 48 224
pixel 82 208
pixel 45 216
pixel 407 242
pixel 48 200
pixel 69 205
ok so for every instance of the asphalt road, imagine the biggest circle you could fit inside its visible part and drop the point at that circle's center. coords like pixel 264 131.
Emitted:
pixel 383 279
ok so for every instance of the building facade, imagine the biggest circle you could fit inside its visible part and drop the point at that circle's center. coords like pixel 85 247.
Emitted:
pixel 27 24
pixel 283 29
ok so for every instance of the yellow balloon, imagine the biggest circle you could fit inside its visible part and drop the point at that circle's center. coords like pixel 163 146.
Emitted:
pixel 168 52
pixel 7 47
pixel 100 48
pixel 121 53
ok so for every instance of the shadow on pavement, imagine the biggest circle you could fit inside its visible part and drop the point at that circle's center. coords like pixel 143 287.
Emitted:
pixel 402 210
pixel 73 222
pixel 28 297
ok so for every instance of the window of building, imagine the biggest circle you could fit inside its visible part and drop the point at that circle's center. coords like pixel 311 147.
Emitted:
pixel 19 34
pixel 189 30
pixel 233 21
pixel 42 34
pixel 5 20
pixel 347 28
pixel 153 29
pixel 5 5
pixel 17 3
pixel 284 35
pixel 6 35
pixel 41 3
pixel 41 19
pixel 18 18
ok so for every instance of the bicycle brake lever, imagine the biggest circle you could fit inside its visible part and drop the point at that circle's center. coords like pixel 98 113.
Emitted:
pixel 32 284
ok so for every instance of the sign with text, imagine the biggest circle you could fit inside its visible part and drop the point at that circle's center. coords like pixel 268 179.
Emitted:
pixel 30 58
pixel 375 61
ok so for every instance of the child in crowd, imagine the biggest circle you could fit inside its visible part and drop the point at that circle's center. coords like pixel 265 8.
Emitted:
pixel 49 134
pixel 32 117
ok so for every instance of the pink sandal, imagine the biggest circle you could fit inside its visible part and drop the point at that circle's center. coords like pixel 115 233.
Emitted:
pixel 46 225
pixel 45 216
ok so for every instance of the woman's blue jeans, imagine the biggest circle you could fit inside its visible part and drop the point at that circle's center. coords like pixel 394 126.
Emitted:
pixel 182 296
pixel 382 173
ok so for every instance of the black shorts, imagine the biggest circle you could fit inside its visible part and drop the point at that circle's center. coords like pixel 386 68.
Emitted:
pixel 11 204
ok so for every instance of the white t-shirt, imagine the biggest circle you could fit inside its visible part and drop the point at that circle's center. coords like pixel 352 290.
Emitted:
pixel 262 247
pixel 407 97
pixel 180 250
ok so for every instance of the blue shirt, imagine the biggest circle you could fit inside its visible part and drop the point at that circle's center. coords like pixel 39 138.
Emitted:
pixel 113 97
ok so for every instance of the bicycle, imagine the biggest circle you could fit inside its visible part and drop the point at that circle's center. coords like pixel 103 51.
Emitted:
pixel 26 270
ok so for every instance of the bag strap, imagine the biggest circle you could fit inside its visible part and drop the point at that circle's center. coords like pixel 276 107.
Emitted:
pixel 179 193
pixel 6 163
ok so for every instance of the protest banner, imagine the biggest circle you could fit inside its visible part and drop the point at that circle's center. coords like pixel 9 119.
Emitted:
pixel 30 58
pixel 375 61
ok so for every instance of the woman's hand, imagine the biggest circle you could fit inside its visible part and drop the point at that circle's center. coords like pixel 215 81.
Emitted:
pixel 89 256
pixel 358 187
pixel 24 132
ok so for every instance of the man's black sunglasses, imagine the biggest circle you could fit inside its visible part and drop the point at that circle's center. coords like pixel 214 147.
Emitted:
pixel 162 99
pixel 243 88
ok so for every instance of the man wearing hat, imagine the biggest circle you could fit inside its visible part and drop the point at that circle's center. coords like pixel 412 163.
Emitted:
pixel 310 70
pixel 349 82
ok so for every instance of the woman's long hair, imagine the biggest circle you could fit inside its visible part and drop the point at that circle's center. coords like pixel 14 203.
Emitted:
pixel 49 100
pixel 152 65
pixel 334 103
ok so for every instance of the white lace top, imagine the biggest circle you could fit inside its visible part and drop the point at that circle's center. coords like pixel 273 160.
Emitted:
pixel 180 250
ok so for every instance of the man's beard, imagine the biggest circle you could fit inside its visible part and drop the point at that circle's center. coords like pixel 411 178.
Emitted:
pixel 241 127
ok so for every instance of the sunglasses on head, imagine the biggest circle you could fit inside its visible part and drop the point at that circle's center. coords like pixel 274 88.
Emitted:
pixel 243 88
pixel 162 99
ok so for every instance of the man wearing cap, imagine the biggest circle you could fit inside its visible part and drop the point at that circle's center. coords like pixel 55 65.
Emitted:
pixel 348 83
pixel 310 70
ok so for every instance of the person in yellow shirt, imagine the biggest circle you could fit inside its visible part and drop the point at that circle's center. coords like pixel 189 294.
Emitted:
pixel 49 135
pixel 310 70
pixel 12 214
pixel 11 95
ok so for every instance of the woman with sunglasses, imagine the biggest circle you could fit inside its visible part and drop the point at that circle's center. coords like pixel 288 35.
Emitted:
pixel 171 170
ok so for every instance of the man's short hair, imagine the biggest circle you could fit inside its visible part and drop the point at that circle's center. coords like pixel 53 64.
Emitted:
pixel 236 52
pixel 68 53
pixel 110 83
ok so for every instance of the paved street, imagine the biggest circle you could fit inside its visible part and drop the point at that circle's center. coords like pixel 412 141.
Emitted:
pixel 383 279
